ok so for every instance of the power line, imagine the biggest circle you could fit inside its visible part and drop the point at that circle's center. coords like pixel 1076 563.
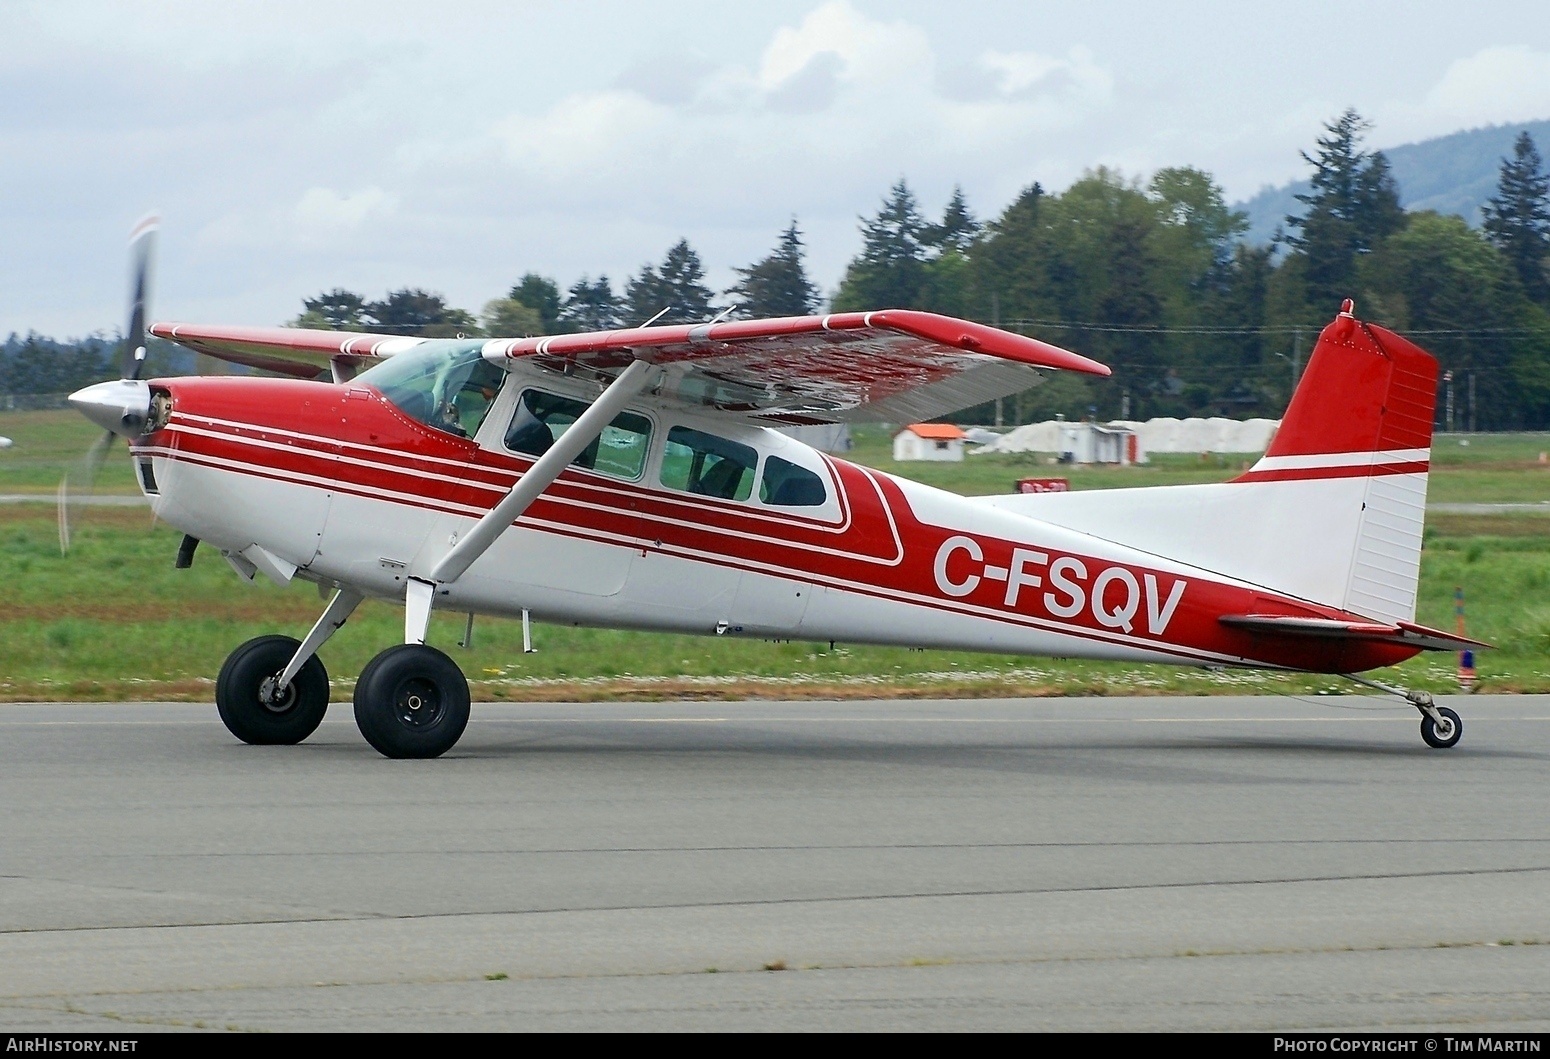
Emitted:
pixel 1280 329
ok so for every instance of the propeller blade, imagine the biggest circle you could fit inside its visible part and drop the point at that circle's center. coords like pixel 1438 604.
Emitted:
pixel 75 488
pixel 142 247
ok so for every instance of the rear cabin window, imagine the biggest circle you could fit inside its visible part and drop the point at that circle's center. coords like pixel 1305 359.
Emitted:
pixel 543 418
pixel 786 485
pixel 697 462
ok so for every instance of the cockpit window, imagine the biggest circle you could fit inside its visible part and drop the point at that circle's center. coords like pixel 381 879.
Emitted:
pixel 787 485
pixel 543 418
pixel 697 462
pixel 449 386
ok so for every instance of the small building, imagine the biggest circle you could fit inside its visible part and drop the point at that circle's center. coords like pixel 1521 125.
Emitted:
pixel 1093 443
pixel 929 441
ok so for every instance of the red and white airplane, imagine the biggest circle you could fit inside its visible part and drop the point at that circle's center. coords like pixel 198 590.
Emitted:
pixel 633 479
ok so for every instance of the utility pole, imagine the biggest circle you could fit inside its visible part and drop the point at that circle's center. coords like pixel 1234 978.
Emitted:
pixel 995 321
pixel 1296 356
pixel 1447 380
pixel 1471 402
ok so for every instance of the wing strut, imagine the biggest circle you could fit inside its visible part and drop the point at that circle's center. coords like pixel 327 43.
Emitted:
pixel 587 428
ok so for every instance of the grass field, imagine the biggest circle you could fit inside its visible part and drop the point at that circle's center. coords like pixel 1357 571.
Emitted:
pixel 115 621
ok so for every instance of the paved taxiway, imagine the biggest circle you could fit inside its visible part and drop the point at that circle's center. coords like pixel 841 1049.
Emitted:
pixel 1225 863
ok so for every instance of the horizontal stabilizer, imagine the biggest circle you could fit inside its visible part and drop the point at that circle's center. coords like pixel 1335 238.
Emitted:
pixel 1404 633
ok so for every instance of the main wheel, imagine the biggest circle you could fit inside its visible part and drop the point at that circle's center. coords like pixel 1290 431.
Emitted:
pixel 411 701
pixel 1441 736
pixel 254 710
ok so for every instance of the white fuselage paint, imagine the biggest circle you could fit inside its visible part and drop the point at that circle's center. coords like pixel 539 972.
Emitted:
pixel 1139 554
pixel 371 544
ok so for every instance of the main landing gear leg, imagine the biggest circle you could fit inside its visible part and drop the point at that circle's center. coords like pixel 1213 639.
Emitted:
pixel 1441 727
pixel 272 689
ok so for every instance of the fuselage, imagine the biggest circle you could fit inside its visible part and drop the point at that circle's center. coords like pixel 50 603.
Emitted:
pixel 340 485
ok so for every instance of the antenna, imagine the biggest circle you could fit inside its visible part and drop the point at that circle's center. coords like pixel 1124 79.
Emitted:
pixel 654 319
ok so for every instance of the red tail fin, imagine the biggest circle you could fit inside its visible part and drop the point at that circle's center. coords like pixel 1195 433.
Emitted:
pixel 1366 390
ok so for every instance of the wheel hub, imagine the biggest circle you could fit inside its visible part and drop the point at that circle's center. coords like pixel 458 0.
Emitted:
pixel 418 703
pixel 274 698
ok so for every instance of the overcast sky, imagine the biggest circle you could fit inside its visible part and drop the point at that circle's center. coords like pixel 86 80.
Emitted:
pixel 292 147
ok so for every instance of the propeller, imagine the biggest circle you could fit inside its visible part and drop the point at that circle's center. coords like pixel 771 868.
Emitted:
pixel 115 406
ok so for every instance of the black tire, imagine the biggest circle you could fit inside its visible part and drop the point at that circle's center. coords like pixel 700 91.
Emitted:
pixel 411 701
pixel 288 721
pixel 1447 738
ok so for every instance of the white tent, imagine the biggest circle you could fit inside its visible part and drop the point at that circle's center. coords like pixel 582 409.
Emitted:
pixel 1164 434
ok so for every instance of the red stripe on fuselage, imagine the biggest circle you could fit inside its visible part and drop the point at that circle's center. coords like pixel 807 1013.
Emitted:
pixel 879 548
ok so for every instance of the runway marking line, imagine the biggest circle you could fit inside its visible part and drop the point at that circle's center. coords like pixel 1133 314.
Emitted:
pixel 781 901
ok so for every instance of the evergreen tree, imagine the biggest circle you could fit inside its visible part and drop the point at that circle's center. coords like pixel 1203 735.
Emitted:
pixel 590 306
pixel 777 285
pixel 1241 303
pixel 35 364
pixel 1352 206
pixel 1517 218
pixel 677 286
pixel 958 229
pixel 1007 264
pixel 542 295
pixel 1131 300
pixel 413 311
pixel 335 310
pixel 947 282
pixel 1441 274
pixel 891 267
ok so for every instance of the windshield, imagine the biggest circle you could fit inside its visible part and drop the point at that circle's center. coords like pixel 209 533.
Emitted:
pixel 446 385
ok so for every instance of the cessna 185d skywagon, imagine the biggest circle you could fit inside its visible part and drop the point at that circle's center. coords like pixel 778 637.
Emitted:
pixel 633 478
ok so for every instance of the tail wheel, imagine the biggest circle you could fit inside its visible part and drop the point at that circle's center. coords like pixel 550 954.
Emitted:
pixel 411 701
pixel 1441 736
pixel 254 710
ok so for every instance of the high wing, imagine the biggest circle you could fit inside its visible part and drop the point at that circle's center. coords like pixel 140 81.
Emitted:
pixel 287 350
pixel 896 365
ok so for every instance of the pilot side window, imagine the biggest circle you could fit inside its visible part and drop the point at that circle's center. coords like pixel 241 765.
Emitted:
pixel 787 485
pixel 697 462
pixel 449 386
pixel 543 418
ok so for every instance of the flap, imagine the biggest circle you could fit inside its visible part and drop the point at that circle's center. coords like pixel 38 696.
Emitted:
pixel 897 365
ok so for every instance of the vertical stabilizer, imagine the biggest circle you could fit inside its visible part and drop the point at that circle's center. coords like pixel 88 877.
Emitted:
pixel 1364 410
pixel 1331 513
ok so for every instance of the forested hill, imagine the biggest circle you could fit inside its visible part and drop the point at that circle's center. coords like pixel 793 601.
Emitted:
pixel 1450 174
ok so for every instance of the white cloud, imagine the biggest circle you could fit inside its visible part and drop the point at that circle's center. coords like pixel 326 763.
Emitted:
pixel 1493 86
pixel 837 101
pixel 871 52
pixel 299 144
